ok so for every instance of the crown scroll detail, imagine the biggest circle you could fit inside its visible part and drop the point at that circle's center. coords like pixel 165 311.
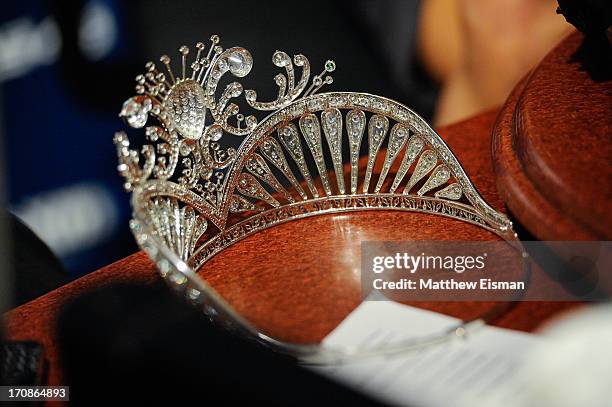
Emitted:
pixel 193 116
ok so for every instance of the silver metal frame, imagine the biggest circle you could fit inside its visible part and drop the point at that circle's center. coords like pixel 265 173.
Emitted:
pixel 192 197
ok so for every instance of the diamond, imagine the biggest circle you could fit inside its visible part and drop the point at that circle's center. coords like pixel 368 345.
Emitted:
pixel 177 278
pixel 281 59
pixel 223 65
pixel 377 130
pixel 396 143
pixel 185 149
pixel 439 176
pixel 453 192
pixel 249 186
pixel 330 66
pixel 193 294
pixel 291 141
pixel 273 151
pixel 332 127
pixel 427 161
pixel 240 62
pixel 355 126
pixel 136 110
pixel 182 94
pixel 215 132
pixel 239 204
pixel 311 129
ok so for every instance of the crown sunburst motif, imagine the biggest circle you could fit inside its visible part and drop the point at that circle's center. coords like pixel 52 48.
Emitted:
pixel 192 196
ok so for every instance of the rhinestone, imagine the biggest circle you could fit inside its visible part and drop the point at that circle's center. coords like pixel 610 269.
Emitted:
pixel 177 278
pixel 240 62
pixel 280 59
pixel 164 267
pixel 135 110
pixel 193 294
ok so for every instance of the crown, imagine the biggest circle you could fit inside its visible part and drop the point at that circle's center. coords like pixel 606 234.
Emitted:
pixel 194 195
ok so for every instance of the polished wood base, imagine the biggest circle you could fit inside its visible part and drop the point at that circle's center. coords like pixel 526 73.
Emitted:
pixel 552 148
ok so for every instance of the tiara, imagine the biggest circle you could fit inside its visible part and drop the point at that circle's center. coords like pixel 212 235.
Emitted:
pixel 193 194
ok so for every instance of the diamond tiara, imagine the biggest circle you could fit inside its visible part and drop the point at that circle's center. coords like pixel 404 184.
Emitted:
pixel 193 195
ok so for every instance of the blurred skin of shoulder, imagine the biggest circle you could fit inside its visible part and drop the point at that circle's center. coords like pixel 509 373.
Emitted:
pixel 479 49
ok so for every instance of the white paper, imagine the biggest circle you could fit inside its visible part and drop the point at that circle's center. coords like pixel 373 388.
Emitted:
pixel 478 370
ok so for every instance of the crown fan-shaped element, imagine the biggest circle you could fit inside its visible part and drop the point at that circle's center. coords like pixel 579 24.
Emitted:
pixel 428 178
pixel 178 226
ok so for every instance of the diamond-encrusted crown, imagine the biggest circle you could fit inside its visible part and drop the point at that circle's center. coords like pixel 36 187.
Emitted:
pixel 193 196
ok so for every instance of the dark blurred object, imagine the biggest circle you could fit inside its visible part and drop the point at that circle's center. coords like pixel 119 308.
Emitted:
pixel 389 29
pixel 144 344
pixel 89 79
pixel 59 158
pixel 592 17
pixel 21 364
pixel 35 268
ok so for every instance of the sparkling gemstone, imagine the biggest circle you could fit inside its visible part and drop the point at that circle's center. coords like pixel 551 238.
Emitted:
pixel 223 65
pixel 184 149
pixel 136 111
pixel 193 294
pixel 181 104
pixel 251 122
pixel 240 62
pixel 250 95
pixel 164 267
pixel 177 278
pixel 280 59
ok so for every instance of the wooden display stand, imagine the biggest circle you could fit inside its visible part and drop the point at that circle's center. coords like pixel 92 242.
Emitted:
pixel 552 149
